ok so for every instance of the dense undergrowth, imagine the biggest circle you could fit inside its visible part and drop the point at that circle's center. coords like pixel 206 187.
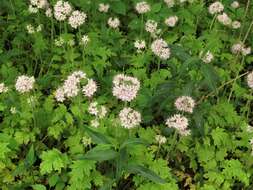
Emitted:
pixel 126 95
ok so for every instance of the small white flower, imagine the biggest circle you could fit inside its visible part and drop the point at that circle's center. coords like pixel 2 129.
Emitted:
pixel 30 29
pixel 103 7
pixel 49 12
pixel 32 9
pixel 86 141
pixel 90 88
pixel 208 57
pixel 171 21
pixel 246 51
pixel 235 4
pixel 139 45
pixel 85 39
pixel 59 95
pixel 3 88
pixel 94 123
pixel 13 110
pixel 170 3
pixel 160 139
pixel 237 48
pixel 250 79
pixel 113 22
pixel 236 24
pixel 224 19
pixel 59 42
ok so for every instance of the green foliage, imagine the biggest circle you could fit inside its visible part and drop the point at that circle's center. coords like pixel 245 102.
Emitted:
pixel 50 144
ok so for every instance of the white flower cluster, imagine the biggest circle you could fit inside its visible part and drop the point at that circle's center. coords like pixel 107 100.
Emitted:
pixel 224 19
pixel 70 86
pixel 35 5
pixel 77 18
pixel 62 10
pixel 59 42
pixel 24 83
pixel 84 40
pixel 207 58
pixel 171 21
pixel 98 111
pixel 125 87
pixel 160 48
pixel 180 123
pixel 40 4
pixel 240 48
pixel 142 7
pixel 31 29
pixel 160 139
pixel 250 79
pixel 103 8
pixel 185 103
pixel 236 24
pixel 151 26
pixel 113 22
pixel 90 88
pixel 170 3
pixel 235 4
pixel 216 7
pixel 140 45
pixel 3 88
pixel 129 118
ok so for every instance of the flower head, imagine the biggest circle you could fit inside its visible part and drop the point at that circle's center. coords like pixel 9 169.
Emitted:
pixel 77 18
pixel 142 7
pixel 160 139
pixel 160 48
pixel 24 83
pixel 185 103
pixel 3 88
pixel 151 26
pixel 85 39
pixel 125 87
pixel 171 21
pixel 90 88
pixel 235 4
pixel 216 7
pixel 103 7
pixel 170 3
pixel 139 45
pixel 180 123
pixel 224 19
pixel 113 22
pixel 62 9
pixel 208 57
pixel 129 118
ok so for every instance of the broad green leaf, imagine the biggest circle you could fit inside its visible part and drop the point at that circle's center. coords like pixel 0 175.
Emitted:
pixel 133 141
pixel 100 153
pixel 145 172
pixel 97 137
